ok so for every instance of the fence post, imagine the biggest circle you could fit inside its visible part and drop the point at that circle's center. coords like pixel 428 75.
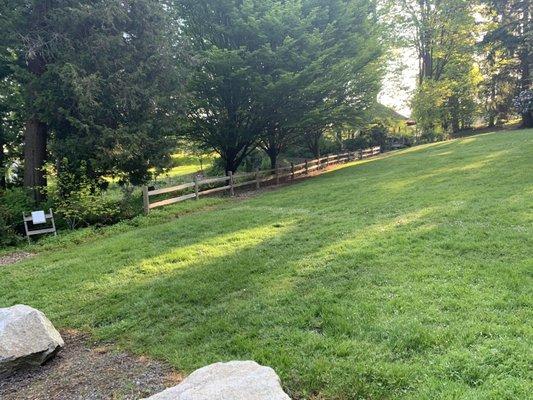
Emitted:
pixel 196 188
pixel 53 222
pixel 257 183
pixel 361 154
pixel 277 174
pixel 146 200
pixel 292 171
pixel 26 226
pixel 231 184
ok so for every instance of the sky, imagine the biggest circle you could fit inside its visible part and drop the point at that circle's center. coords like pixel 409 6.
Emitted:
pixel 400 81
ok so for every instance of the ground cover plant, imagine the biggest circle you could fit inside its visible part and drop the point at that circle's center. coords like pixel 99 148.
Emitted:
pixel 406 276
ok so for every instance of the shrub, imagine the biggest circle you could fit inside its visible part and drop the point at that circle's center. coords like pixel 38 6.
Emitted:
pixel 86 207
pixel 524 105
pixel 373 135
pixel 13 202
pixel 79 202
pixel 524 102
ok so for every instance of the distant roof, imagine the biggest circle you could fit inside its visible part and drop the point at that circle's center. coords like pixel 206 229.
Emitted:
pixel 387 112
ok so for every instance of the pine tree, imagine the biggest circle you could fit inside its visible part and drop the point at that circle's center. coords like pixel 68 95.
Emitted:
pixel 101 82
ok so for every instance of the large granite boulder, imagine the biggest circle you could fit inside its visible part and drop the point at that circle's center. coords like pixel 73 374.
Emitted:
pixel 27 338
pixel 235 380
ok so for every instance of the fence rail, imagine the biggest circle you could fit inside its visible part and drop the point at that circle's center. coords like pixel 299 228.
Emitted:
pixel 204 187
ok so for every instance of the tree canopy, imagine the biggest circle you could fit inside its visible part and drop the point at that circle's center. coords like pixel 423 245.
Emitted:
pixel 101 84
pixel 94 90
pixel 269 72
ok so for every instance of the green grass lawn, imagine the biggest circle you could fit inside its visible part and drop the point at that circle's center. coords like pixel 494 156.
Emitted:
pixel 186 166
pixel 408 276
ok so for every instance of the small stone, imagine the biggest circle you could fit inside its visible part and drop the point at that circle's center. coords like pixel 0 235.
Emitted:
pixel 27 338
pixel 235 380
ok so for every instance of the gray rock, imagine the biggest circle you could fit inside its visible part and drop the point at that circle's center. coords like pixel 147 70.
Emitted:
pixel 235 380
pixel 27 338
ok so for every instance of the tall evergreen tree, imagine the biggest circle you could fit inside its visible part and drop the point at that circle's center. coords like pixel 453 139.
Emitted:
pixel 10 118
pixel 222 111
pixel 272 71
pixel 508 50
pixel 326 72
pixel 101 80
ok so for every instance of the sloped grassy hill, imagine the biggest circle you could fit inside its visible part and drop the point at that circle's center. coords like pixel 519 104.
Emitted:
pixel 408 276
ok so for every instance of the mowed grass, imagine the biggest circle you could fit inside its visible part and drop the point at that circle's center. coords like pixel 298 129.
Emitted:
pixel 407 276
pixel 187 166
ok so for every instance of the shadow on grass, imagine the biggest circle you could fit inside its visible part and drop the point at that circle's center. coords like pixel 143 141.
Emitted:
pixel 351 285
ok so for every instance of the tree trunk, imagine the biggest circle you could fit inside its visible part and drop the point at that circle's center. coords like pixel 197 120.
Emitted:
pixel 273 156
pixel 36 131
pixel 313 143
pixel 35 157
pixel 456 127
pixel 492 121
pixel 525 56
pixel 231 165
pixel 492 111
pixel 2 162
pixel 455 119
pixel 527 120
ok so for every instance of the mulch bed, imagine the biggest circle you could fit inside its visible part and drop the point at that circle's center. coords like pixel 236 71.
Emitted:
pixel 89 371
pixel 14 257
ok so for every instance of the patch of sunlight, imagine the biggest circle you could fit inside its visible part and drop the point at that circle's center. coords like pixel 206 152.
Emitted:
pixel 207 251
pixel 443 153
pixel 482 163
pixel 360 239
pixel 280 285
pixel 285 211
pixel 423 147
pixel 400 184
pixel 467 140
pixel 474 166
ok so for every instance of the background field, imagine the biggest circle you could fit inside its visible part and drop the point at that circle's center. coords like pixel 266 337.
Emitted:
pixel 407 276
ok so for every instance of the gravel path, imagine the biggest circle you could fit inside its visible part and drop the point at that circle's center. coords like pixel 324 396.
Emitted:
pixel 88 371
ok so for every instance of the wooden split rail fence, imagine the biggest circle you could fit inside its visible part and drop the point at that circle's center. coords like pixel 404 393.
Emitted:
pixel 207 186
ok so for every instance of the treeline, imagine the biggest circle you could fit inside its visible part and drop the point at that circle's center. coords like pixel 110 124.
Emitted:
pixel 475 60
pixel 100 91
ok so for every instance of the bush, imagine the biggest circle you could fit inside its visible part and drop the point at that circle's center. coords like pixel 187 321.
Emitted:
pixel 373 135
pixel 80 202
pixel 257 159
pixel 86 207
pixel 329 146
pixel 13 202
pixel 524 102
pixel 524 105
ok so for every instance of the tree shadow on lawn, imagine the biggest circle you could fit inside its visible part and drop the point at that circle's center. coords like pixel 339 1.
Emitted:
pixel 352 315
pixel 382 298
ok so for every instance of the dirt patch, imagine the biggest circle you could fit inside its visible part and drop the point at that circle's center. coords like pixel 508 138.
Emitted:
pixel 14 257
pixel 89 371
